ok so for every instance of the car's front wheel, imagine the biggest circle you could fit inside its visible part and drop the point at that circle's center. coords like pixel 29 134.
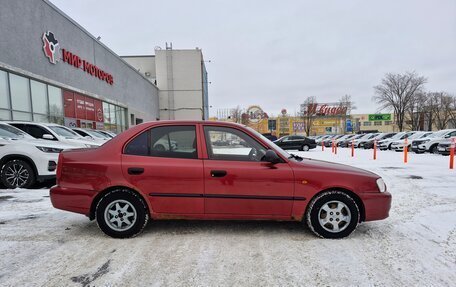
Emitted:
pixel 17 173
pixel 332 214
pixel 122 213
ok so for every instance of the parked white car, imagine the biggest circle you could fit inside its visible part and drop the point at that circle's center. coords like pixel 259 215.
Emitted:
pixel 92 135
pixel 361 140
pixel 430 143
pixel 398 145
pixel 386 144
pixel 54 132
pixel 25 160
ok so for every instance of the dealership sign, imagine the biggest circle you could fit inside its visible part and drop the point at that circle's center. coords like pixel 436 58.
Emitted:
pixel 255 114
pixel 380 117
pixel 326 110
pixel 51 50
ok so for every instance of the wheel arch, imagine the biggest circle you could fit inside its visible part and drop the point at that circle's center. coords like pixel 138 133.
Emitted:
pixel 100 195
pixel 25 158
pixel 353 195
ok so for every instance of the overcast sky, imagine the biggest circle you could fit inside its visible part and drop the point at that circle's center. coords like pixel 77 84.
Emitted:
pixel 276 53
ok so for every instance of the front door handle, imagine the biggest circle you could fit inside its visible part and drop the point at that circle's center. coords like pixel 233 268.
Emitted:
pixel 135 170
pixel 218 173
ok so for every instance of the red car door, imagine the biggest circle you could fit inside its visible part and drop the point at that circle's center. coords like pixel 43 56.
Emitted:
pixel 163 163
pixel 237 182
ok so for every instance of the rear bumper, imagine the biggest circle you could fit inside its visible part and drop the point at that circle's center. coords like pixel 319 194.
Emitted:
pixel 74 200
pixel 376 205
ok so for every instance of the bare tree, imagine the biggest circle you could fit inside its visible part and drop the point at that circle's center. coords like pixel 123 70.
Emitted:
pixel 346 101
pixel 236 114
pixel 416 110
pixel 307 113
pixel 442 109
pixel 396 92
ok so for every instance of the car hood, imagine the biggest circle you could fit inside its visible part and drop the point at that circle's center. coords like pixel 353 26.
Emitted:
pixel 326 166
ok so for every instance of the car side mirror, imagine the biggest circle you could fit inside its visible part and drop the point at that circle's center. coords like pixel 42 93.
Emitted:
pixel 447 136
pixel 48 137
pixel 272 157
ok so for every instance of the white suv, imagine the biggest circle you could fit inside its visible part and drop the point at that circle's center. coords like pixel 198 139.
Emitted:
pixel 54 132
pixel 398 145
pixel 25 160
pixel 430 143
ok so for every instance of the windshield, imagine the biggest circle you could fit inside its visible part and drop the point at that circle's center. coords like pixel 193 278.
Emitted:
pixel 103 135
pixel 417 135
pixel 64 132
pixel 438 134
pixel 95 134
pixel 276 147
pixel 7 131
pixel 398 136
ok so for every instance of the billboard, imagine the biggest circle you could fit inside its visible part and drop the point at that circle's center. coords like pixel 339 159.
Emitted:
pixel 380 117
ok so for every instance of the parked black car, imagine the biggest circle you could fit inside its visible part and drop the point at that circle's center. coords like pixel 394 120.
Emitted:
pixel 296 142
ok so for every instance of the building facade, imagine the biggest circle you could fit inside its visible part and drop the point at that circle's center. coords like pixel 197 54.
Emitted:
pixel 181 78
pixel 53 70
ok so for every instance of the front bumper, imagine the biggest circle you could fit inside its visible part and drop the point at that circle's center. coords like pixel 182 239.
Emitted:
pixel 74 200
pixel 376 205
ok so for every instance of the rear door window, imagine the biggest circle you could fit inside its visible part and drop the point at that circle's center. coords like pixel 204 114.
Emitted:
pixel 166 141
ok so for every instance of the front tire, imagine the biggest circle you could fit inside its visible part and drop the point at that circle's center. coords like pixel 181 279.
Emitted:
pixel 17 173
pixel 332 214
pixel 305 148
pixel 121 213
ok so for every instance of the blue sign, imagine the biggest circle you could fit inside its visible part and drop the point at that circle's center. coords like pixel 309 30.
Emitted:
pixel 349 127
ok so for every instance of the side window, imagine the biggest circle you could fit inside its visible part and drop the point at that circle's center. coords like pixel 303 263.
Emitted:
pixel 168 141
pixel 36 131
pixel 81 133
pixel 174 142
pixel 139 145
pixel 231 144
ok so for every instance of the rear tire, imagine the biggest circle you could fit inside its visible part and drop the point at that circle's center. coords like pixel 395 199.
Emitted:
pixel 332 214
pixel 305 148
pixel 17 173
pixel 121 213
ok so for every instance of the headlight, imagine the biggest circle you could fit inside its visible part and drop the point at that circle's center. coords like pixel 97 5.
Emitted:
pixel 381 185
pixel 425 141
pixel 49 149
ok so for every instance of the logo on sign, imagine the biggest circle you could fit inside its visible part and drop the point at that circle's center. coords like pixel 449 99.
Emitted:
pixel 99 115
pixel 51 47
pixel 255 114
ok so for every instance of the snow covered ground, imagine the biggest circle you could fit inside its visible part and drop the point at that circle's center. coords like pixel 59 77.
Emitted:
pixel 416 246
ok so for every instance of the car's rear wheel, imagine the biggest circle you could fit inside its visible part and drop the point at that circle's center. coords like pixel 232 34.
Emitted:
pixel 17 173
pixel 332 214
pixel 122 213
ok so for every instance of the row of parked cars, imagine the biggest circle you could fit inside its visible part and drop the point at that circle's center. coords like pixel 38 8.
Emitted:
pixel 29 151
pixel 416 141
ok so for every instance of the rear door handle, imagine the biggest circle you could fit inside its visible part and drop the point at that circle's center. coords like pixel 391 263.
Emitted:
pixel 135 170
pixel 218 173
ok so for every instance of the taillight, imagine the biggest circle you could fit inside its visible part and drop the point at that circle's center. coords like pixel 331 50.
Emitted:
pixel 58 173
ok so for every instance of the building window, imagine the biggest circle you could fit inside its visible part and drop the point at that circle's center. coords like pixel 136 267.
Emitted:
pixel 39 98
pixel 20 93
pixel 366 124
pixel 388 123
pixel 377 123
pixel 55 105
pixel 4 98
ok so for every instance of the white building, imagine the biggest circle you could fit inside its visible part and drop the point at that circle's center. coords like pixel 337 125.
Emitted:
pixel 181 78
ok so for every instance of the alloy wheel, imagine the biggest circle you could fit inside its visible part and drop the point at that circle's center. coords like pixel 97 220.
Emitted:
pixel 120 215
pixel 17 175
pixel 334 216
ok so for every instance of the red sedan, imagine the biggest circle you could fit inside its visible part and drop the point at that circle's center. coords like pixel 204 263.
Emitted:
pixel 212 170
